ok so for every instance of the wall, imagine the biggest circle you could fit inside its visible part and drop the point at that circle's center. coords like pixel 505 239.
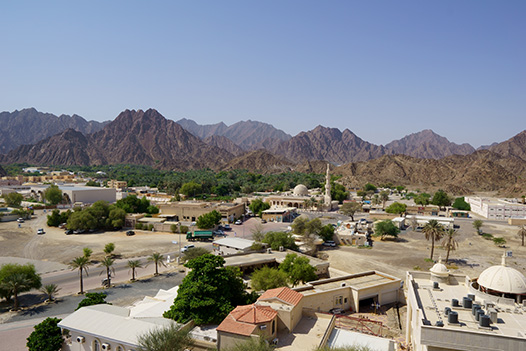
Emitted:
pixel 73 345
pixel 325 300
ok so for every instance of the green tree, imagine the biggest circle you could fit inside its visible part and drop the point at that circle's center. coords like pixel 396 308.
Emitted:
pixel 338 192
pixel 194 252
pixel 369 187
pixel 170 338
pixel 461 204
pixel 499 241
pixel 82 220
pixel 116 217
pixel 108 263
pixel 93 183
pixel 87 252
pixel 384 197
pixel 50 290
pixel 93 299
pixel 13 199
pixel 433 231
pixel 16 283
pixel 298 269
pixel 350 208
pixel 477 224
pixel 208 292
pixel 53 195
pixel 109 248
pixel 133 265
pixel 257 206
pixel 191 189
pixel 82 264
pixel 280 239
pixel 257 232
pixel 449 242
pixel 157 259
pixel 441 199
pixel 423 199
pixel 268 278
pixel 11 275
pixel 252 344
pixel 396 207
pixel 327 232
pixel 46 336
pixel 385 228
pixel 522 234
pixel 208 220
pixel 299 225
pixel 54 219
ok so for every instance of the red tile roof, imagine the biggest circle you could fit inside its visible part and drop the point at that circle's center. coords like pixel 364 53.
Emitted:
pixel 284 294
pixel 244 319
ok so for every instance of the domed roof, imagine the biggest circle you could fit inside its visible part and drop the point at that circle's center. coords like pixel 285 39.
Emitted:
pixel 301 190
pixel 503 279
pixel 439 268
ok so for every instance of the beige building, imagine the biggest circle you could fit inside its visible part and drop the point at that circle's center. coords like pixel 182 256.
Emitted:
pixel 453 312
pixel 498 209
pixel 117 184
pixel 189 211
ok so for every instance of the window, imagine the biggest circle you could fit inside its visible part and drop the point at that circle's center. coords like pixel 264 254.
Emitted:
pixel 273 326
pixel 96 345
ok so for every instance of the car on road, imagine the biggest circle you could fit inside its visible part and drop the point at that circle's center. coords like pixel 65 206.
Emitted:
pixel 187 247
pixel 226 227
pixel 20 220
pixel 329 243
pixel 218 232
pixel 69 232
pixel 238 222
pixel 130 233
pixel 263 221
pixel 40 231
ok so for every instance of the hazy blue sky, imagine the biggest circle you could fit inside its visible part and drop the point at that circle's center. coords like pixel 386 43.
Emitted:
pixel 383 69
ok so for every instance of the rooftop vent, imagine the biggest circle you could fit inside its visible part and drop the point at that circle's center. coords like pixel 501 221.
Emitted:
pixel 467 302
pixel 454 303
pixel 452 317
pixel 484 321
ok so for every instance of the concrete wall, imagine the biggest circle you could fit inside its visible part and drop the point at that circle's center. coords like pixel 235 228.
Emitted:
pixel 89 343
pixel 323 301
pixel 90 196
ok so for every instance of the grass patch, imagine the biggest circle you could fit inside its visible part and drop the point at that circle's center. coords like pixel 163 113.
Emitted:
pixel 452 266
pixel 487 236
pixel 417 268
pixel 365 247
pixel 429 260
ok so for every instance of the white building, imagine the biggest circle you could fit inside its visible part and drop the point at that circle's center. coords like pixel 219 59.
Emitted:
pixel 498 209
pixel 453 312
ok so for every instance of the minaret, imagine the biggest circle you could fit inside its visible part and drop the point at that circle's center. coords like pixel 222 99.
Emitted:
pixel 327 198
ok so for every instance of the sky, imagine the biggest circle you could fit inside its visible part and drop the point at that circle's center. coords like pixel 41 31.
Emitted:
pixel 382 69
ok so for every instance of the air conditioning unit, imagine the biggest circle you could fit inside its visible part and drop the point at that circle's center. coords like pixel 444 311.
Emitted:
pixel 106 346
pixel 262 327
pixel 81 339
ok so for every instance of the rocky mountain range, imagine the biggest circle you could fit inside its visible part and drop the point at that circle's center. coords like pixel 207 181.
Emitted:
pixel 515 146
pixel 136 137
pixel 427 144
pixel 2 172
pixel 29 126
pixel 248 135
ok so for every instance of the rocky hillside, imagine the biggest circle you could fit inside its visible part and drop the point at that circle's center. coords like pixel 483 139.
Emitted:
pixel 136 137
pixel 29 126
pixel 427 144
pixel 515 146
pixel 480 171
pixel 2 172
pixel 328 144
pixel 261 161
pixel 249 135
pixel 224 143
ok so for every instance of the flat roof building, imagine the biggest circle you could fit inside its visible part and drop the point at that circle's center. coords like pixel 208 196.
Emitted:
pixel 498 209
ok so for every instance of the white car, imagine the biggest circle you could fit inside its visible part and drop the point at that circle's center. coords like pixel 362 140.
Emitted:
pixel 40 231
pixel 187 247
pixel 238 222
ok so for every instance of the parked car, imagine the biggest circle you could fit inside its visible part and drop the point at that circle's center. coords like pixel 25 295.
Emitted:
pixel 79 231
pixel 336 311
pixel 227 227
pixel 263 221
pixel 62 226
pixel 130 233
pixel 20 220
pixel 69 232
pixel 329 243
pixel 40 231
pixel 187 247
pixel 238 222
pixel 219 232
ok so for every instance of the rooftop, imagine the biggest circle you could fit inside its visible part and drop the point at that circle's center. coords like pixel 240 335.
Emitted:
pixel 356 281
pixel 244 319
pixel 284 294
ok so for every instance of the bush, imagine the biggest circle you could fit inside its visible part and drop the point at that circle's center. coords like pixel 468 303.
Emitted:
pixel 138 225
pixel 93 299
pixel 47 336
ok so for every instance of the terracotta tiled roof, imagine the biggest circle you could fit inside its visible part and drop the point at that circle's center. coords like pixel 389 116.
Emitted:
pixel 244 319
pixel 284 294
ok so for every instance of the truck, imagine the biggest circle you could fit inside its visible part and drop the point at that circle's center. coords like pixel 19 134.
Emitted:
pixel 201 235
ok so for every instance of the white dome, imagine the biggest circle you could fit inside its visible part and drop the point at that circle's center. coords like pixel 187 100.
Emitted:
pixel 440 269
pixel 301 190
pixel 503 279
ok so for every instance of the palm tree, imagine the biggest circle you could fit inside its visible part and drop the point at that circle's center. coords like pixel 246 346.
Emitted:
pixel 522 233
pixel 449 241
pixel 134 264
pixel 157 258
pixel 108 262
pixel 81 263
pixel 433 230
pixel 384 196
pixel 50 290
pixel 87 252
pixel 109 248
pixel 15 283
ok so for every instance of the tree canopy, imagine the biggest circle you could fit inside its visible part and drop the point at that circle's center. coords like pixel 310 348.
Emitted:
pixel 350 208
pixel 208 292
pixel 298 269
pixel 13 199
pixel 132 204
pixel 280 239
pixel 53 195
pixel 208 220
pixel 268 278
pixel 386 228
pixel 47 336
pixel 423 199
pixel 100 215
pixel 257 206
pixel 191 189
pixel 461 204
pixel 92 299
pixel 11 273
pixel 396 207
pixel 440 198
pixel 171 338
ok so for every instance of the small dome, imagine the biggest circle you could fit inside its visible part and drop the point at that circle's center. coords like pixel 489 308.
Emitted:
pixel 301 190
pixel 439 269
pixel 503 279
